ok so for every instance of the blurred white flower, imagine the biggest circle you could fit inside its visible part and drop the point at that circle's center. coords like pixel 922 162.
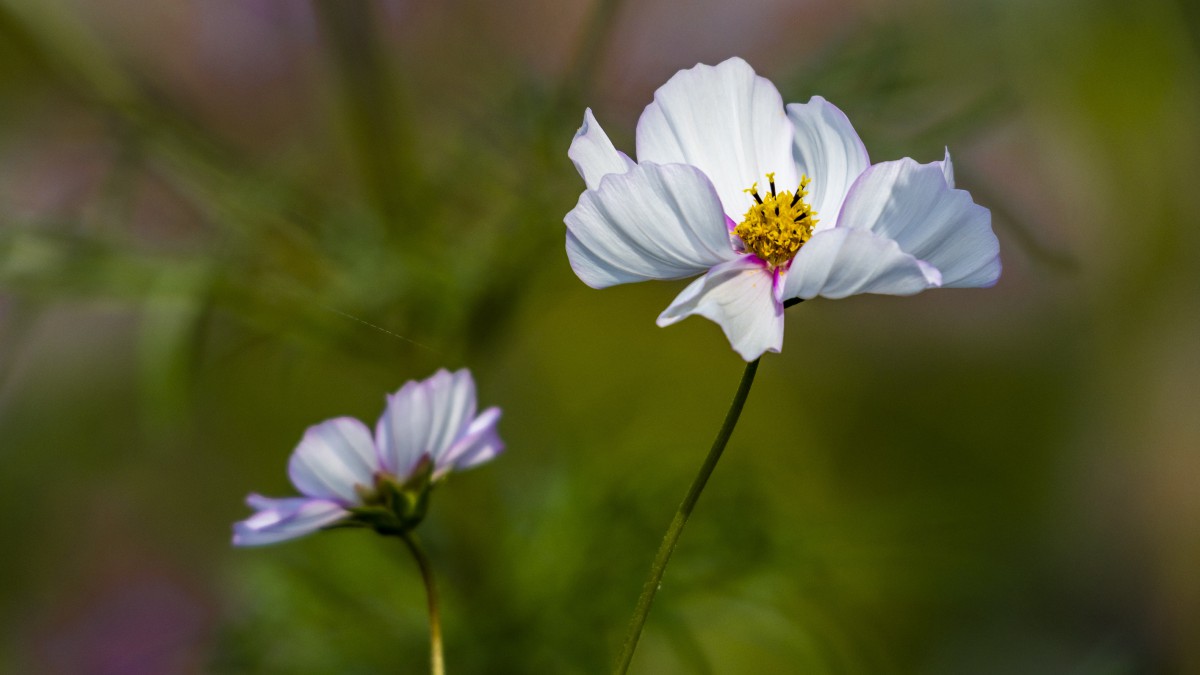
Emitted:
pixel 769 203
pixel 427 430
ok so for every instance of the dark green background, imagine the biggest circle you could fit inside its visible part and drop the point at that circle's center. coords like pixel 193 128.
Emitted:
pixel 223 221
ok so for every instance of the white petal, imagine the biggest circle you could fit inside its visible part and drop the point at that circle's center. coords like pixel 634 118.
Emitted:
pixel 948 169
pixel 480 443
pixel 843 261
pixel 281 519
pixel 332 458
pixel 829 152
pixel 726 121
pixel 740 297
pixel 425 418
pixel 594 155
pixel 914 205
pixel 654 222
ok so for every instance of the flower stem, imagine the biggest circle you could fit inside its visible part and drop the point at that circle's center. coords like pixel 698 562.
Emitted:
pixel 681 516
pixel 437 666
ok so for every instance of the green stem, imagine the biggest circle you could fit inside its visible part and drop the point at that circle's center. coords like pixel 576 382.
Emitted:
pixel 437 665
pixel 681 516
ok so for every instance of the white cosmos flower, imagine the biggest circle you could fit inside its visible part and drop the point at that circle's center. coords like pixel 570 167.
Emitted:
pixel 427 430
pixel 769 203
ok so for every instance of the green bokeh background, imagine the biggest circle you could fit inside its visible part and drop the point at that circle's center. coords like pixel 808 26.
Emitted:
pixel 222 221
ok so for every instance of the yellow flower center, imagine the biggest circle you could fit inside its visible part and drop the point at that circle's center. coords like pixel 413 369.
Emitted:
pixel 777 224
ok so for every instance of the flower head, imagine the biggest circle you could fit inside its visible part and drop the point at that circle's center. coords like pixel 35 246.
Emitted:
pixel 347 476
pixel 769 204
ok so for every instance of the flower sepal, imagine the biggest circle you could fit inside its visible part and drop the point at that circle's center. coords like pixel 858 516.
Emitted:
pixel 394 508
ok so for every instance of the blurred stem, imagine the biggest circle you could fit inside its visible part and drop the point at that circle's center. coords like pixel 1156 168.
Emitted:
pixel 437 665
pixel 382 144
pixel 591 48
pixel 681 517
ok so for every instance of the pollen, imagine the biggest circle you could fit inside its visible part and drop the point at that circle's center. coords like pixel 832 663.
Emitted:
pixel 778 223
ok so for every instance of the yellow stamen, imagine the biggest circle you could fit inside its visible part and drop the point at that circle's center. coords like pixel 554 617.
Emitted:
pixel 777 225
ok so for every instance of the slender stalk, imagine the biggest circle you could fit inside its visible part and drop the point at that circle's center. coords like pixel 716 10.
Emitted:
pixel 437 665
pixel 586 61
pixel 370 100
pixel 681 516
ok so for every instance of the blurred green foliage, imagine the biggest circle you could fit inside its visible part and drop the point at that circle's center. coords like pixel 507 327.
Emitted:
pixel 221 222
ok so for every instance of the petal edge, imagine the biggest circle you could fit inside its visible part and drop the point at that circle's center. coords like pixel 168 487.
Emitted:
pixel 278 520
pixel 739 296
pixel 594 155
pixel 842 262
pixel 915 205
pixel 653 222
pixel 829 151
pixel 332 458
pixel 726 121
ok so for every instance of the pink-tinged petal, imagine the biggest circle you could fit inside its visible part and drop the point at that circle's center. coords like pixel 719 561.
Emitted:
pixel 844 261
pixel 738 295
pixel 332 458
pixel 654 222
pixel 829 151
pixel 915 205
pixel 281 519
pixel 481 443
pixel 727 122
pixel 424 418
pixel 594 155
pixel 778 284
